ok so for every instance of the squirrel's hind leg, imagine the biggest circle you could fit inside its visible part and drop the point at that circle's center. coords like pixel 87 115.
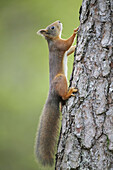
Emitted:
pixel 61 87
pixel 69 93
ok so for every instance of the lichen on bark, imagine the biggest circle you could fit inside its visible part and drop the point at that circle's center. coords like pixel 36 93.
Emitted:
pixel 86 140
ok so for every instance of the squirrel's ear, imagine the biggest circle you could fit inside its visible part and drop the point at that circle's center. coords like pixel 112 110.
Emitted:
pixel 42 31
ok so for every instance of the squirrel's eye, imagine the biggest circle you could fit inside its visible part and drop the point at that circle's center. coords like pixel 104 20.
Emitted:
pixel 52 27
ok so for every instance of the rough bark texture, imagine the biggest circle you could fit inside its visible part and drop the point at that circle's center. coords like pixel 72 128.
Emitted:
pixel 86 140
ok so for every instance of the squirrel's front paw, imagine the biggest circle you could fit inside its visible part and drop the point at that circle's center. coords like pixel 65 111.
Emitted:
pixel 75 30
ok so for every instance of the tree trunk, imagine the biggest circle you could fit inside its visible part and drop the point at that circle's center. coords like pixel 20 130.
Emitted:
pixel 86 138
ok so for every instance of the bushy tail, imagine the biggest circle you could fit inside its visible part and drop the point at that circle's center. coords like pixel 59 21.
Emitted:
pixel 48 132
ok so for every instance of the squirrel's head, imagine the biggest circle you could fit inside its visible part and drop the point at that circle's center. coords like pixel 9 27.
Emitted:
pixel 52 31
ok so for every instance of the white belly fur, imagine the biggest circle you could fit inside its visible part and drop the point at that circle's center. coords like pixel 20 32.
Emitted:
pixel 65 64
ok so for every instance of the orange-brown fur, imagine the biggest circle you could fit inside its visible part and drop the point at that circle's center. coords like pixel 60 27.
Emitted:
pixel 49 124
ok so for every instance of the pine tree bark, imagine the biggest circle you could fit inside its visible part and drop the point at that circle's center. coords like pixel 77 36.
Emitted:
pixel 86 138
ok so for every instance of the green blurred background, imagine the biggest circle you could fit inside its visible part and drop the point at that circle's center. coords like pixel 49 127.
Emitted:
pixel 24 73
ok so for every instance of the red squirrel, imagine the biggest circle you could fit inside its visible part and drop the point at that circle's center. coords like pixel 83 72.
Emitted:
pixel 59 49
